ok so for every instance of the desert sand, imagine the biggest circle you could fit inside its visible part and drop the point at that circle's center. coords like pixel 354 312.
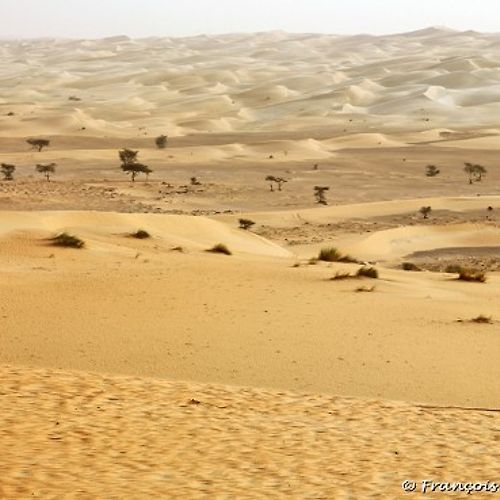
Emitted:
pixel 139 368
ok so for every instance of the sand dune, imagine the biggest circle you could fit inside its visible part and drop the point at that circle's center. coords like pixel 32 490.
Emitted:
pixel 215 77
pixel 191 232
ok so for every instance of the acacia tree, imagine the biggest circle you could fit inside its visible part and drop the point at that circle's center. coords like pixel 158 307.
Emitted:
pixel 8 171
pixel 319 193
pixel 131 166
pixel 479 172
pixel 161 141
pixel 278 180
pixel 38 143
pixel 271 179
pixel 475 172
pixel 46 170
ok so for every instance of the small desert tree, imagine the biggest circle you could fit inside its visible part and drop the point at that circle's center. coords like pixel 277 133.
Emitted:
pixel 8 171
pixel 128 155
pixel 319 193
pixel 479 172
pixel 425 211
pixel 280 181
pixel 46 170
pixel 38 143
pixel 432 171
pixel 131 166
pixel 475 172
pixel 246 223
pixel 135 169
pixel 271 179
pixel 161 141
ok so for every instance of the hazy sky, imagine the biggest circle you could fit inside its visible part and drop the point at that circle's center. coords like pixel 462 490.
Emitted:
pixel 138 18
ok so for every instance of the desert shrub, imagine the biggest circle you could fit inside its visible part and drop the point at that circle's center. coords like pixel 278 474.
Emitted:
pixel 141 234
pixel 246 223
pixel 410 266
pixel 7 171
pixel 177 249
pixel 365 289
pixel 453 269
pixel 67 240
pixel 425 211
pixel 472 275
pixel 432 171
pixel 161 141
pixel 220 248
pixel 367 272
pixel 332 254
pixel 482 319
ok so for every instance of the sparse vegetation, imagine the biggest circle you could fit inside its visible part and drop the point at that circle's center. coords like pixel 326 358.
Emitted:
pixel 466 274
pixel 425 211
pixel 7 171
pixel 67 240
pixel 46 170
pixel 131 166
pixel 367 272
pixel 472 275
pixel 161 141
pixel 453 269
pixel 365 289
pixel 332 254
pixel 432 171
pixel 482 320
pixel 409 266
pixel 220 248
pixel 141 234
pixel 278 180
pixel 246 223
pixel 319 193
pixel 474 172
pixel 38 143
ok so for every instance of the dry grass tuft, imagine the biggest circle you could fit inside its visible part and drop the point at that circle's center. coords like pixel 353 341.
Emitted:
pixel 332 254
